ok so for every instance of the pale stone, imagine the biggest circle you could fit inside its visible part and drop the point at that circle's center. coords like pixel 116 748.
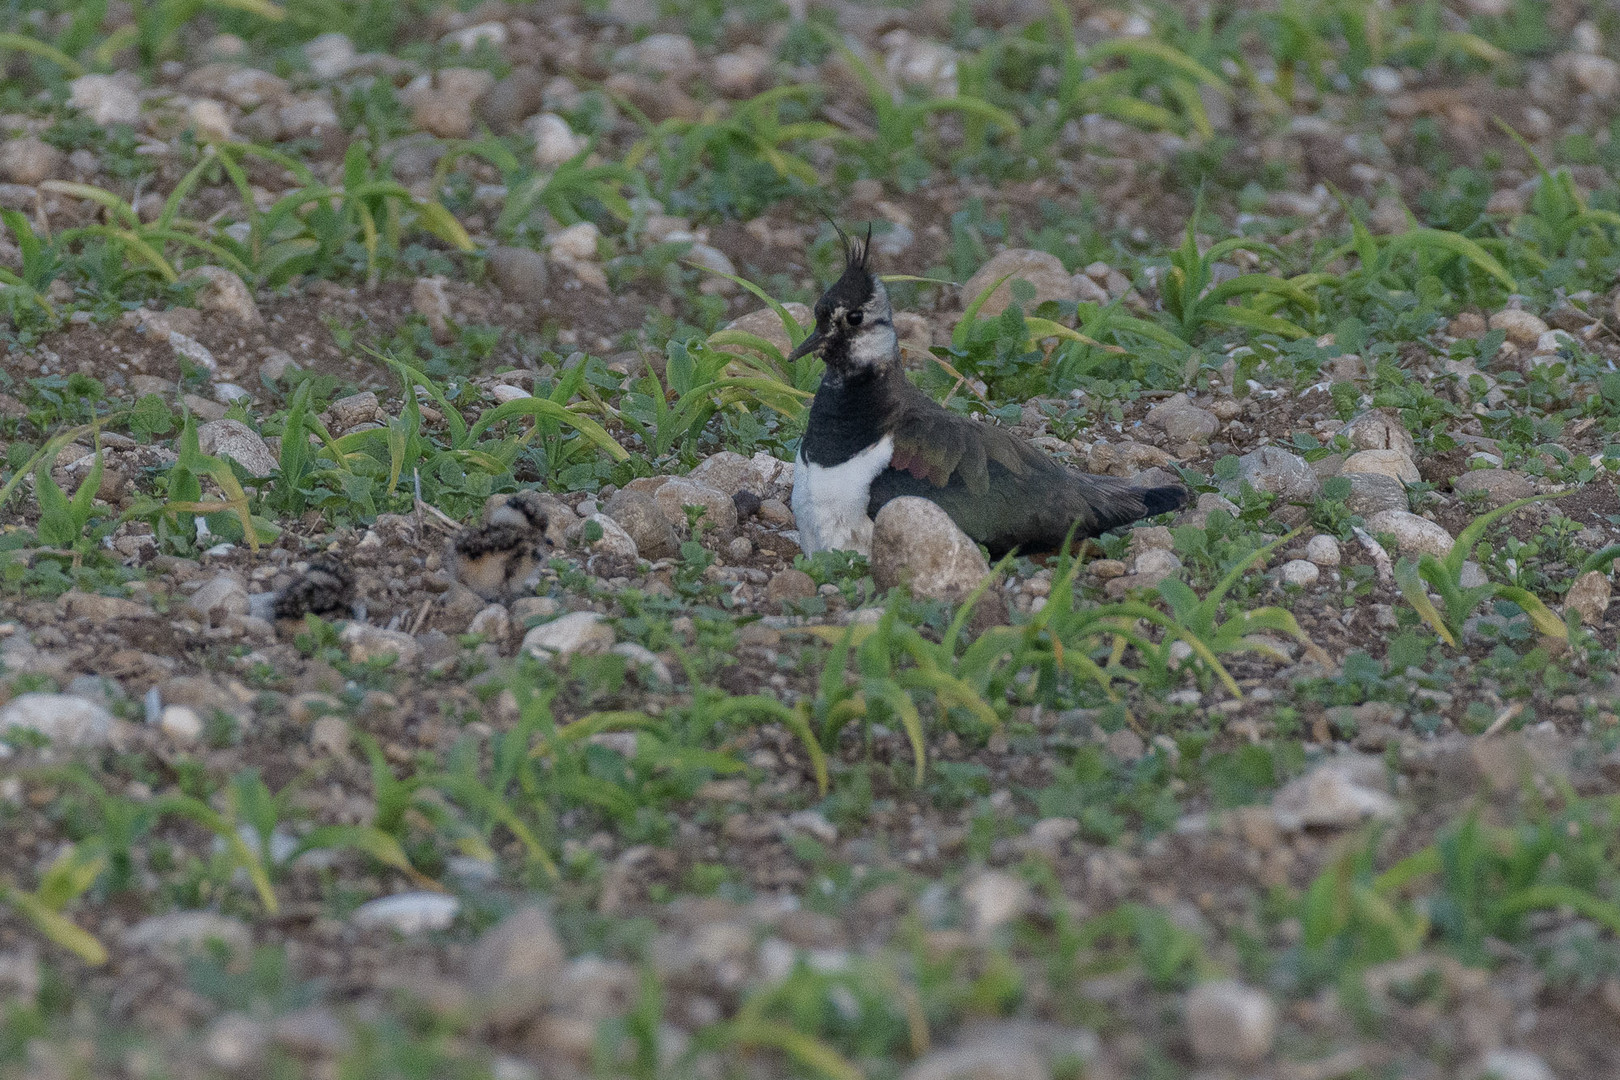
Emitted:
pixel 181 723
pixel 1182 421
pixel 1299 572
pixel 994 898
pixel 178 933
pixel 1039 268
pixel 367 643
pixel 520 273
pixel 577 242
pixel 577 631
pixel 1275 470
pixel 1230 1023
pixel 210 121
pixel 554 141
pixel 329 56
pixel 408 913
pixel 1391 463
pixel 915 543
pixel 64 719
pixel 517 967
pixel 1521 327
pixel 614 540
pixel 227 294
pixel 673 496
pixel 106 99
pixel 1323 550
pixel 1588 597
pixel 638 514
pixel 1413 535
pixel 30 161
pixel 219 598
pixel 1337 794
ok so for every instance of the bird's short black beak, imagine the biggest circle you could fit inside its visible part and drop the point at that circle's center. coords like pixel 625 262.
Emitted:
pixel 809 346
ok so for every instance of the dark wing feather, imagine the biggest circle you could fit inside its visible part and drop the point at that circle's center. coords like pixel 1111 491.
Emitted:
pixel 1003 491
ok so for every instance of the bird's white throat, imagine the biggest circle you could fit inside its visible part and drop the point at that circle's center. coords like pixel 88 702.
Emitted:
pixel 829 501
pixel 874 346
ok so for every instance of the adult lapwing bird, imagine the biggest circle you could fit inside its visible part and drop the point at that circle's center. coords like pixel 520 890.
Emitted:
pixel 872 436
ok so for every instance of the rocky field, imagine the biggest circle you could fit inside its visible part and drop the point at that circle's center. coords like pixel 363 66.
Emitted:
pixel 1313 780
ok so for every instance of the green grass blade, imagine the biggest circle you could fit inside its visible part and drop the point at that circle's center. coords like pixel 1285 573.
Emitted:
pixel 1469 538
pixel 550 410
pixel 1541 616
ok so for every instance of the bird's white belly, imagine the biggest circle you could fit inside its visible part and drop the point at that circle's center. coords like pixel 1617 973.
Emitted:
pixel 829 502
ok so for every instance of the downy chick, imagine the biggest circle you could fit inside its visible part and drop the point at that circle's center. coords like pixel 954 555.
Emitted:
pixel 502 557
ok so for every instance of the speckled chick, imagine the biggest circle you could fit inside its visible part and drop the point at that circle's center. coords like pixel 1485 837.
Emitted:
pixel 325 589
pixel 502 557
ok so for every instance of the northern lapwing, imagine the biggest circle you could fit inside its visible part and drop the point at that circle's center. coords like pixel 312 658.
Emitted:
pixel 501 557
pixel 873 436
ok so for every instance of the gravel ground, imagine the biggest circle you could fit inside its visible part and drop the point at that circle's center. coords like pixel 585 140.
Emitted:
pixel 687 802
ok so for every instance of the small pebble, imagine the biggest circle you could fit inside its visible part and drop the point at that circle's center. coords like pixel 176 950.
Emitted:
pixel 1300 572
pixel 1323 550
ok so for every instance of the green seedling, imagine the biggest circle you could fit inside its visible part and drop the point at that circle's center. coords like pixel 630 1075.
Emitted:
pixel 568 193
pixel 22 43
pixel 1352 918
pixel 158 25
pixel 62 520
pixel 1444 576
pixel 1381 260
pixel 242 808
pixel 695 377
pixel 900 123
pixel 40 261
pixel 64 881
pixel 309 229
pixel 1134 65
pixel 1193 298
pixel 751 144
pixel 230 516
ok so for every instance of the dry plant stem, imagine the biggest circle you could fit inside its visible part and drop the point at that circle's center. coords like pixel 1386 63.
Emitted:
pixel 1380 557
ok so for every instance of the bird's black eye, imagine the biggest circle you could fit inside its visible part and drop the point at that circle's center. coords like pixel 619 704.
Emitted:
pixel 854 318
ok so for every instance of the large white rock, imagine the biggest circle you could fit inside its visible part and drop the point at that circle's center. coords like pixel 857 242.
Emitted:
pixel 106 99
pixel 614 540
pixel 1183 421
pixel 180 932
pixel 235 441
pixel 518 966
pixel 1230 1023
pixel 1379 430
pixel 1335 795
pixel 554 141
pixel 227 294
pixel 64 719
pixel 1275 470
pixel 329 56
pixel 1300 572
pixel 994 898
pixel 1413 535
pixel 915 543
pixel 674 496
pixel 1323 550
pixel 1041 269
pixel 577 631
pixel 576 242
pixel 367 643
pixel 408 913
pixel 1390 463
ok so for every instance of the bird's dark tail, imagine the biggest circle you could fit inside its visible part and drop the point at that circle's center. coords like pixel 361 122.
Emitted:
pixel 1115 502
pixel 1162 500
